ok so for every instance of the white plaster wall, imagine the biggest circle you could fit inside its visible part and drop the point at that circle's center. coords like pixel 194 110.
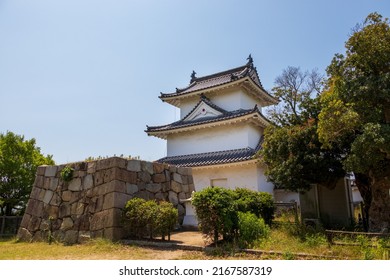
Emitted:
pixel 237 176
pixel 262 181
pixel 186 105
pixel 213 139
pixel 234 99
pixel 228 99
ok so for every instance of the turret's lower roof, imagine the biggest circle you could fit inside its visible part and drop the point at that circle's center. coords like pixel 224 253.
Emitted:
pixel 213 158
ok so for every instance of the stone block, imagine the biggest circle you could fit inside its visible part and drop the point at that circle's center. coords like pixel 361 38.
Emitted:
pixel 98 178
pixel 110 163
pixel 24 235
pixel 41 194
pixel 177 178
pixel 76 196
pixel 161 196
pixel 182 195
pixel 38 182
pixel 67 224
pixel 109 175
pixel 51 212
pixel 190 179
pixel 166 186
pixel 131 188
pixel 115 200
pixel 125 175
pixel 25 220
pixel 153 188
pixel 55 200
pixel 34 224
pixel 48 196
pixel 182 170
pixel 115 186
pixel 144 176
pixel 167 175
pixel 159 178
pixel 98 220
pixel 91 167
pixel 41 170
pixel 30 206
pixel 82 223
pixel 191 188
pixel 172 169
pixel 46 183
pixel 172 197
pixel 88 182
pixel 53 184
pixel 71 237
pixel 51 171
pixel 64 210
pixel 134 165
pixel 185 188
pixel 144 195
pixel 176 187
pixel 75 185
pixel 66 196
pixel 35 192
pixel 114 233
pixel 77 208
pixel 181 210
pixel 159 167
pixel 147 166
pixel 38 209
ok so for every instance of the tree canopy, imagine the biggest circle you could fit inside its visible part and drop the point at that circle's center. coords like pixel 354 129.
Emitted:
pixel 19 159
pixel 355 113
pixel 291 150
pixel 345 128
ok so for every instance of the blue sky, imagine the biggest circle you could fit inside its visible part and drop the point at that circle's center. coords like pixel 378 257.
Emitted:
pixel 83 77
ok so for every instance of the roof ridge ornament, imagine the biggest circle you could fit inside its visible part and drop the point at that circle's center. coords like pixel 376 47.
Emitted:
pixel 250 61
pixel 193 76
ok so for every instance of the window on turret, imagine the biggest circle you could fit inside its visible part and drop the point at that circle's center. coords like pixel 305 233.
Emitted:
pixel 220 182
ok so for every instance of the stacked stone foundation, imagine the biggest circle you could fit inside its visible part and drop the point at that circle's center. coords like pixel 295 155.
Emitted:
pixel 90 204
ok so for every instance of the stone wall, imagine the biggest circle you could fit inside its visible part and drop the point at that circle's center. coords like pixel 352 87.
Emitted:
pixel 90 204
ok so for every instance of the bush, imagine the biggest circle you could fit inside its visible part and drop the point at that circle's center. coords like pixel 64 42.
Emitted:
pixel 251 228
pixel 216 212
pixel 259 203
pixel 166 219
pixel 148 218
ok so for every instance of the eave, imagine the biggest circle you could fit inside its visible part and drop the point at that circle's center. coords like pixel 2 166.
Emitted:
pixel 255 117
pixel 264 98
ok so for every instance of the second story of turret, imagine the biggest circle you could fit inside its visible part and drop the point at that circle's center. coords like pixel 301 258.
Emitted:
pixel 233 89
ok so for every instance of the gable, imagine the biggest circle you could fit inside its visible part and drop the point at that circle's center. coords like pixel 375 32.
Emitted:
pixel 202 110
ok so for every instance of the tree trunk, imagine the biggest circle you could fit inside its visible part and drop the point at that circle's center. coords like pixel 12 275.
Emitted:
pixel 380 205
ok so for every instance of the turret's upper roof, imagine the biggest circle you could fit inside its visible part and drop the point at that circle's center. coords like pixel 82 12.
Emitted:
pixel 245 73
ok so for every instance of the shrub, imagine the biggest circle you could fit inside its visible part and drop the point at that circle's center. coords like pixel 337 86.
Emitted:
pixel 167 217
pixel 148 218
pixel 251 228
pixel 259 203
pixel 216 212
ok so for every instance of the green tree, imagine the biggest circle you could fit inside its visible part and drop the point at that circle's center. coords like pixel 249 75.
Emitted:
pixel 355 115
pixel 19 159
pixel 291 149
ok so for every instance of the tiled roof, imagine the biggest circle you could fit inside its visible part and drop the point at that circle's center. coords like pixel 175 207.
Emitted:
pixel 205 120
pixel 213 158
pixel 217 79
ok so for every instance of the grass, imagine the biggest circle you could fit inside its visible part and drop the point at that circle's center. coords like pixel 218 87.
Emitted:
pixel 287 242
